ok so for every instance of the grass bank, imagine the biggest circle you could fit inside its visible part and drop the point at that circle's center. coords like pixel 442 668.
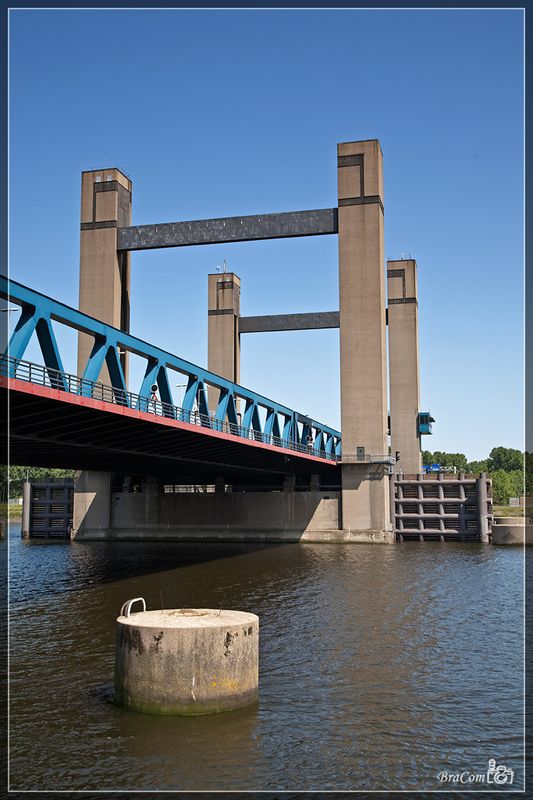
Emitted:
pixel 509 511
pixel 15 512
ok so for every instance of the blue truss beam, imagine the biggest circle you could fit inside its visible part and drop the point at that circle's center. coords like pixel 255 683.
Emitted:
pixel 38 312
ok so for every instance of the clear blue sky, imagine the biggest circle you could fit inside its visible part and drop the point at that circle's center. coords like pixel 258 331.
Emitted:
pixel 220 113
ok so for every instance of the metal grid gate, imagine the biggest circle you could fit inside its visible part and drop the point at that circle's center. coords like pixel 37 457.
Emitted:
pixel 49 515
pixel 442 507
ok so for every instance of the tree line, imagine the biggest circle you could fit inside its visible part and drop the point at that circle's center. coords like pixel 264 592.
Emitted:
pixel 11 484
pixel 511 470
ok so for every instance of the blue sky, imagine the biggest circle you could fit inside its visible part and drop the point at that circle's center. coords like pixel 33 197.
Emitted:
pixel 221 113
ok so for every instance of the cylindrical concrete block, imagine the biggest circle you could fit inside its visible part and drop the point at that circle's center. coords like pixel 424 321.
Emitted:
pixel 186 660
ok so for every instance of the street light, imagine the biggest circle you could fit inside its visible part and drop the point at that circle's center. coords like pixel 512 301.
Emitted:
pixel 180 386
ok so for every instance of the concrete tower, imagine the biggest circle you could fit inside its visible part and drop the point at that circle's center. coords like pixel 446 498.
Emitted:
pixel 403 364
pixel 104 294
pixel 363 353
pixel 104 271
pixel 223 356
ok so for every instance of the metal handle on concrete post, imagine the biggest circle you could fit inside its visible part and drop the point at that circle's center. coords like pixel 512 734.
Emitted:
pixel 126 608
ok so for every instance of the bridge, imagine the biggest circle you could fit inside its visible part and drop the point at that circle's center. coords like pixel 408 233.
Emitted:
pixel 307 479
pixel 62 420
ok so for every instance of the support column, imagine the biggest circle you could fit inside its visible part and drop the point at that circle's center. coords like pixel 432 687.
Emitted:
pixel 223 346
pixel 483 507
pixel 104 272
pixel 404 364
pixel 26 509
pixel 92 504
pixel 363 352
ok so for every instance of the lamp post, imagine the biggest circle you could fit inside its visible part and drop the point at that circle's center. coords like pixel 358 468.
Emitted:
pixel 180 386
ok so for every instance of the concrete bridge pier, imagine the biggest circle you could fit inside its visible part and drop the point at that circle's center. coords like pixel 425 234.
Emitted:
pixel 92 504
pixel 363 353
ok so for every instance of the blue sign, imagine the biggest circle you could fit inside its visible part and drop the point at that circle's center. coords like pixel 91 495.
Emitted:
pixel 435 468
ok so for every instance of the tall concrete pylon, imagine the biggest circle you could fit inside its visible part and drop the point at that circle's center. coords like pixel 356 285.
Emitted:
pixel 363 348
pixel 223 346
pixel 404 364
pixel 104 294
pixel 104 270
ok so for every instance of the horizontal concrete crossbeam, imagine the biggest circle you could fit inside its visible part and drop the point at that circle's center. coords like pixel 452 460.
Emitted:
pixel 289 322
pixel 228 229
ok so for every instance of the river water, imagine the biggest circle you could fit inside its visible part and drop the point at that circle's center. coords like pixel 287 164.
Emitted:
pixel 380 666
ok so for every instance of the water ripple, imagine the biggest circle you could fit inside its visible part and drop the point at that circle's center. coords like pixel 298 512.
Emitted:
pixel 380 666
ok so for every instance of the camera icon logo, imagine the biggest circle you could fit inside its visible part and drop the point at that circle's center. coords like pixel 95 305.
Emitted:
pixel 499 774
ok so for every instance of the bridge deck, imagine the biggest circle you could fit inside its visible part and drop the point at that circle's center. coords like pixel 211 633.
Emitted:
pixel 51 427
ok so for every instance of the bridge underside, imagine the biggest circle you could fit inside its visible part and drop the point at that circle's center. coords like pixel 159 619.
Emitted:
pixel 51 428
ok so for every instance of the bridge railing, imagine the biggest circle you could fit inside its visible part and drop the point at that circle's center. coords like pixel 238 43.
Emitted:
pixel 55 379
pixel 366 458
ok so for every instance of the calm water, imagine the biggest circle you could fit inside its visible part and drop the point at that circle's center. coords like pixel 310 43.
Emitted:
pixel 379 666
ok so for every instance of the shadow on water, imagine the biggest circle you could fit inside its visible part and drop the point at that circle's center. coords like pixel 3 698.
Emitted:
pixel 68 565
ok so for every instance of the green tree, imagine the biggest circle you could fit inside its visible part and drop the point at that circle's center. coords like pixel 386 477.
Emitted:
pixel 477 466
pixel 450 460
pixel 506 485
pixel 427 457
pixel 502 488
pixel 11 485
pixel 529 473
pixel 445 459
pixel 506 459
pixel 517 478
pixel 3 483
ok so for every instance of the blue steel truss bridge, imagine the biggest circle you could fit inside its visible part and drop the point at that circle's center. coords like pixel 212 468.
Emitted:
pixel 57 419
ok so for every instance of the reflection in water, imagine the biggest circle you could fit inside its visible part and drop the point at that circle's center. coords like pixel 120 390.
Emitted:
pixel 379 666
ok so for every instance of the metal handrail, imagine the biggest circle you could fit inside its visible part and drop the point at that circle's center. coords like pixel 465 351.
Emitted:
pixel 46 376
pixel 126 608
pixel 367 458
